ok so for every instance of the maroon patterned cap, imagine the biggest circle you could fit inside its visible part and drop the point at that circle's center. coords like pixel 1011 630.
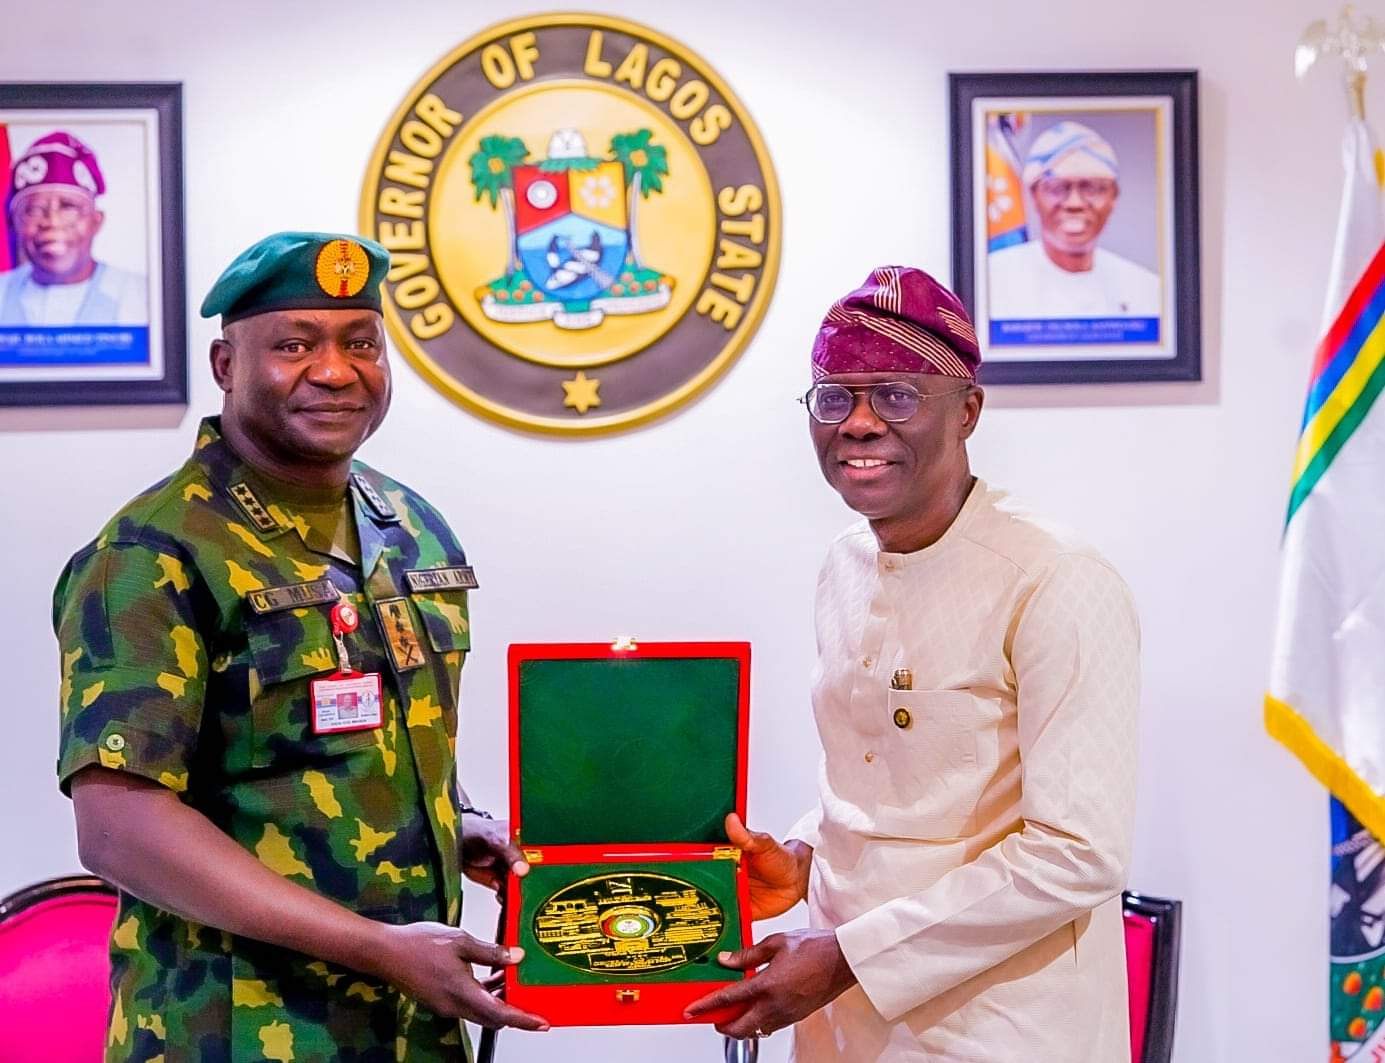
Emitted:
pixel 58 160
pixel 900 320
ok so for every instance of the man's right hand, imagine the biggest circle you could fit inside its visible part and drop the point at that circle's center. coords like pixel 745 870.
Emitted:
pixel 140 836
pixel 432 962
pixel 778 872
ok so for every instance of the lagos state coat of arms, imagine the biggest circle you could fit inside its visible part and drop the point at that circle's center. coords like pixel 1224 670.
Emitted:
pixel 583 224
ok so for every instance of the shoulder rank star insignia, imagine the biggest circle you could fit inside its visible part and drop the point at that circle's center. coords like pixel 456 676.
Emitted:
pixel 373 498
pixel 252 507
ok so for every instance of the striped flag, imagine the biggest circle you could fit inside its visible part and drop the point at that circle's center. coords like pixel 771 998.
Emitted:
pixel 1005 222
pixel 6 237
pixel 1326 700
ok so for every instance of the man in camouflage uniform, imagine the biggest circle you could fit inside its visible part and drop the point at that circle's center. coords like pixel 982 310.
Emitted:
pixel 289 890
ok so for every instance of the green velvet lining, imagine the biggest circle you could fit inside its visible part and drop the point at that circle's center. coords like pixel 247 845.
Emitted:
pixel 715 877
pixel 627 750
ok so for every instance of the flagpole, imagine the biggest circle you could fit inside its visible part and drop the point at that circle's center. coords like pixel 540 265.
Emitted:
pixel 1307 671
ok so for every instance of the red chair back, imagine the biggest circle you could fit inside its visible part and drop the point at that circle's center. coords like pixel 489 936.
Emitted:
pixel 1139 965
pixel 1152 934
pixel 55 993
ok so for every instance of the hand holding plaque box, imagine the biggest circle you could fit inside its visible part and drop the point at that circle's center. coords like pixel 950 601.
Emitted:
pixel 625 761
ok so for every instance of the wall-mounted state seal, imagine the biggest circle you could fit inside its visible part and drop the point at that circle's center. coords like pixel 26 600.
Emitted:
pixel 583 224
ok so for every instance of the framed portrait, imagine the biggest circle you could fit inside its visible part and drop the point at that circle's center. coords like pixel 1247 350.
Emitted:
pixel 1075 240
pixel 92 302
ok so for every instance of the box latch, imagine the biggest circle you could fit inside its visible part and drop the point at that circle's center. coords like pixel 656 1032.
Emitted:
pixel 627 996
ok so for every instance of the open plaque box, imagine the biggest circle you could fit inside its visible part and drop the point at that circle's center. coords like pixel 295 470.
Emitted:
pixel 624 762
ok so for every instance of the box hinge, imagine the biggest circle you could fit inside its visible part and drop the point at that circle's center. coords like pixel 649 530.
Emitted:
pixel 533 856
pixel 726 852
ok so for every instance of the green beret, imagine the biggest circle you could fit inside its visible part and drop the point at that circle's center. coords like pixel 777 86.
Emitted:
pixel 300 271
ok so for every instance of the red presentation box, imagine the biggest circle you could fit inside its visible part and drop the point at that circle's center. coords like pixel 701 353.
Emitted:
pixel 625 759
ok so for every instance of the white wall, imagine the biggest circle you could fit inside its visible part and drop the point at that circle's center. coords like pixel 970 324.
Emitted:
pixel 711 523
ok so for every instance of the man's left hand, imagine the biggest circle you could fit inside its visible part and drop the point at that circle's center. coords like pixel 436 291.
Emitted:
pixel 487 852
pixel 806 970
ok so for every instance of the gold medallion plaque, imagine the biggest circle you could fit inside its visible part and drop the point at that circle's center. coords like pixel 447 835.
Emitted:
pixel 631 923
pixel 582 220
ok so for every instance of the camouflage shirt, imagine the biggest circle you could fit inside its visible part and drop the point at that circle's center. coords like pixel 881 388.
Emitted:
pixel 190 631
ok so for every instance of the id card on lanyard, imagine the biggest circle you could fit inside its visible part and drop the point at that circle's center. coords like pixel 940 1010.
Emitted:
pixel 347 700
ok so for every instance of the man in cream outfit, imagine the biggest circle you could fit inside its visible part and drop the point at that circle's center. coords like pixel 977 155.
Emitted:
pixel 975 694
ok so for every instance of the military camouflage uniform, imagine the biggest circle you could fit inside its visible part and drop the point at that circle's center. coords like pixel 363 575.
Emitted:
pixel 170 672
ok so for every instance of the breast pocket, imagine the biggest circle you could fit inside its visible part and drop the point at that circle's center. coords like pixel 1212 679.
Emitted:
pixel 290 649
pixel 445 619
pixel 935 749
pixel 447 630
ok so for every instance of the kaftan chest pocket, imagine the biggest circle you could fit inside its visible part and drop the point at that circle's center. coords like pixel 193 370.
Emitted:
pixel 290 649
pixel 935 750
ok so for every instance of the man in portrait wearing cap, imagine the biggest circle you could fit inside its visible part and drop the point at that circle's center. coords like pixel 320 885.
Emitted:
pixel 260 665
pixel 51 205
pixel 975 695
pixel 1074 181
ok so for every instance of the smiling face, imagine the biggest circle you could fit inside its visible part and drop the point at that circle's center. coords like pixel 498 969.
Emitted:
pixel 55 229
pixel 303 389
pixel 1074 210
pixel 907 478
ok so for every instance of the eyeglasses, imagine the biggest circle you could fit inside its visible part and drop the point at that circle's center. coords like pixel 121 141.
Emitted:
pixel 1091 189
pixel 36 208
pixel 893 401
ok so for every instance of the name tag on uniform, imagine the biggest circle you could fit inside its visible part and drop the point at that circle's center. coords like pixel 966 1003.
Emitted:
pixel 346 703
pixel 295 596
pixel 456 578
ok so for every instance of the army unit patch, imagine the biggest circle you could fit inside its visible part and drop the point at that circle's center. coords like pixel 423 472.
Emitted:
pixel 457 578
pixel 397 623
pixel 583 224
